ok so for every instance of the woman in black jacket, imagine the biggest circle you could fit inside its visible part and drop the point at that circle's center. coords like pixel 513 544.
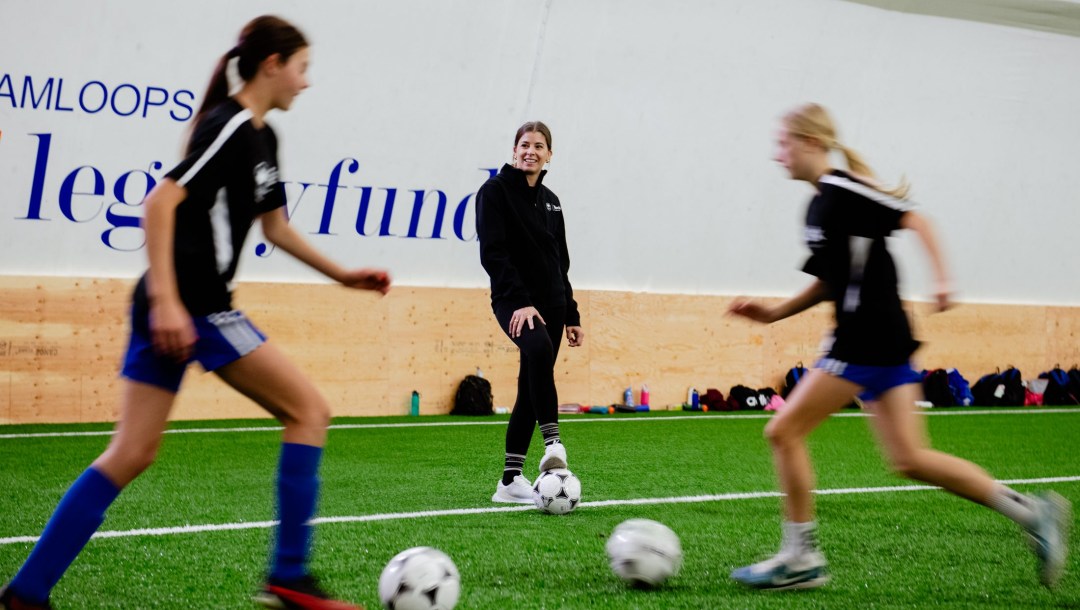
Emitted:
pixel 519 223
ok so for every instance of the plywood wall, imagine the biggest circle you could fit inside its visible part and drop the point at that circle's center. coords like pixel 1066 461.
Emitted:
pixel 61 340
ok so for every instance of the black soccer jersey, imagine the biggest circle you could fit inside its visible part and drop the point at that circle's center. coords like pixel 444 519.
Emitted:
pixel 231 177
pixel 846 226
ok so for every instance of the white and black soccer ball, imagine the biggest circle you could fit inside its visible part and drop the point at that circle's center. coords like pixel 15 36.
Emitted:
pixel 557 491
pixel 644 553
pixel 420 578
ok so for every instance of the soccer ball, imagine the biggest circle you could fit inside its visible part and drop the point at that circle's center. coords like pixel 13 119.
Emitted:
pixel 420 578
pixel 644 553
pixel 557 491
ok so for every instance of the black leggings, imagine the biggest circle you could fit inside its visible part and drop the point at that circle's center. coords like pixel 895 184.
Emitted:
pixel 537 400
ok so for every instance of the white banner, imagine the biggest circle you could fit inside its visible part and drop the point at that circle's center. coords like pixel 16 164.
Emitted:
pixel 663 113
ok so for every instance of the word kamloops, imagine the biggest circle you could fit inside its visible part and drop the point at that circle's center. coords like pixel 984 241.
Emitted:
pixel 95 96
pixel 82 197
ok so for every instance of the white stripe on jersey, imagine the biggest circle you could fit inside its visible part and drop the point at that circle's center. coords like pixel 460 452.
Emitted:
pixel 865 191
pixel 859 250
pixel 222 231
pixel 223 136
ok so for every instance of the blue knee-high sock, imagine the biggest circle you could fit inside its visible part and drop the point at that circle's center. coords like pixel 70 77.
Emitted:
pixel 80 512
pixel 297 491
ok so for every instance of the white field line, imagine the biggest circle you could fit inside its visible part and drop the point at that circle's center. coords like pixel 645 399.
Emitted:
pixel 196 529
pixel 564 420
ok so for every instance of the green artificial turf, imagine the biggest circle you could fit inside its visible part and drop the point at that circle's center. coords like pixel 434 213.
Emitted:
pixel 886 548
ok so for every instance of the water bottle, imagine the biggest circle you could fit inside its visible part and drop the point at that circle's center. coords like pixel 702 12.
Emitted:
pixel 693 400
pixel 644 395
pixel 628 396
pixel 414 408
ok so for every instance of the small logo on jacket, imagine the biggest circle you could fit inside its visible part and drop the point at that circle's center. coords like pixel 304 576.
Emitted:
pixel 552 207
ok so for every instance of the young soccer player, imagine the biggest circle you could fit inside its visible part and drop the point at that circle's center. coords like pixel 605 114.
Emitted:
pixel 868 355
pixel 523 249
pixel 196 221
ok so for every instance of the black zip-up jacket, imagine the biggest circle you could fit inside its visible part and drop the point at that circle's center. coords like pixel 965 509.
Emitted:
pixel 523 244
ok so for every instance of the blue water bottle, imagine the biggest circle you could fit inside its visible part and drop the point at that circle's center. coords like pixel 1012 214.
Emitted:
pixel 628 396
pixel 414 408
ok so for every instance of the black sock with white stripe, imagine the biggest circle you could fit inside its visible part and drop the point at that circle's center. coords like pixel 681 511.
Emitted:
pixel 551 433
pixel 514 463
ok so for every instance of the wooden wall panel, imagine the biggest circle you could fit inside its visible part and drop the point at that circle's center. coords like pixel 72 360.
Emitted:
pixel 61 340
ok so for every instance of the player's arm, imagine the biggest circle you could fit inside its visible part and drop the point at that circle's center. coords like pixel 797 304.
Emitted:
pixel 278 231
pixel 813 294
pixel 925 230
pixel 171 328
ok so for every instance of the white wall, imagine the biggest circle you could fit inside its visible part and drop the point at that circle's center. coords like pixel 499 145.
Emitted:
pixel 663 115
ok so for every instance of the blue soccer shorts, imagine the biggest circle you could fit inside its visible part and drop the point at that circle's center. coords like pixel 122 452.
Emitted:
pixel 875 380
pixel 223 338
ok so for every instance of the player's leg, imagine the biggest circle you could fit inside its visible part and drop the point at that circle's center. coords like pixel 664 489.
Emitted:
pixel 268 377
pixel 513 487
pixel 902 434
pixel 799 564
pixel 547 410
pixel 144 413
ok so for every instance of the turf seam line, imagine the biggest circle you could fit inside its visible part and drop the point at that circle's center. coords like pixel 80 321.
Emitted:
pixel 751 495
pixel 564 420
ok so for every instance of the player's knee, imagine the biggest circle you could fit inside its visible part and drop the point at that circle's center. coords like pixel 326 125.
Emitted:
pixel 777 434
pixel 313 413
pixel 536 344
pixel 908 465
pixel 127 461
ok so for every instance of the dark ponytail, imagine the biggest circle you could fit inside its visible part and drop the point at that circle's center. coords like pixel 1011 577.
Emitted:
pixel 260 38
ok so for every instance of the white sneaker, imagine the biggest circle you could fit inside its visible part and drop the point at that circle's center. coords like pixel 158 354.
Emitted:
pixel 1049 536
pixel 785 571
pixel 554 457
pixel 519 491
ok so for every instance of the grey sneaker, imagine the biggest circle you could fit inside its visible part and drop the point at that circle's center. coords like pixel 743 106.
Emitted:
pixel 785 571
pixel 519 491
pixel 1049 537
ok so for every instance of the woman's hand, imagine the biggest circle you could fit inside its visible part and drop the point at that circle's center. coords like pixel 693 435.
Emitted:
pixel 575 335
pixel 171 330
pixel 521 317
pixel 377 280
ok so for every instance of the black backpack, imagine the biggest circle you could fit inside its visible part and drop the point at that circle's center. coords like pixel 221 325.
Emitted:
pixel 1057 388
pixel 793 376
pixel 1014 388
pixel 473 397
pixel 936 388
pixel 1074 382
pixel 743 398
pixel 1000 389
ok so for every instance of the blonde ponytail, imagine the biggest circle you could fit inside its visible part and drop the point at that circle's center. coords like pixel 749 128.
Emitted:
pixel 812 121
pixel 859 167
